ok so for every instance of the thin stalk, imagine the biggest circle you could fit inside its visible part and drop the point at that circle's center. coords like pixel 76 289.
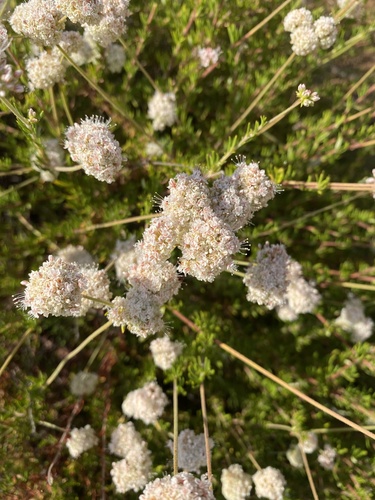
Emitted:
pixel 242 263
pixel 77 350
pixel 261 24
pixel 66 107
pixel 321 430
pixel 359 145
pixel 43 423
pixel 141 68
pixel 205 428
pixel 35 232
pixel 262 92
pixel 53 108
pixel 334 186
pixel 137 218
pixel 175 427
pixel 95 352
pixel 308 472
pixel 14 350
pixel 18 186
pixel 238 273
pixel 15 111
pixel 347 46
pixel 94 299
pixel 75 168
pixel 104 95
pixel 293 390
pixel 354 87
pixel 358 286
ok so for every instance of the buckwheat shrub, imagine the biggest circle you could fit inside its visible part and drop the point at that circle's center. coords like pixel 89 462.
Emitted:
pixel 297 18
pixel 124 256
pixel 326 30
pixel 39 20
pixel 309 442
pixel 208 56
pixel 115 58
pixel 83 384
pixel 269 483
pixel 352 319
pixel 80 11
pixel 45 70
pixel 55 289
pixel 165 352
pixel 146 404
pixel 131 474
pixel 266 278
pixel 162 110
pixel 91 144
pixel 76 254
pixel 304 40
pixel 327 457
pixel 182 486
pixel 307 97
pixel 97 286
pixel 235 483
pixel 81 440
pixel 191 450
pixel 302 297
pixel 153 150
pixel 112 22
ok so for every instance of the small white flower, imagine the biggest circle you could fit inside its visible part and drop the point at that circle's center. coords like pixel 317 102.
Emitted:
pixel 81 440
pixel 327 457
pixel 269 483
pixel 235 483
pixel 146 404
pixel 307 97
pixel 162 110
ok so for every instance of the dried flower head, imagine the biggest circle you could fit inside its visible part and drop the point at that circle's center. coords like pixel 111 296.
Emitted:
pixel 76 254
pixel 352 319
pixel 235 483
pixel 146 404
pixel 297 18
pixel 304 40
pixel 266 279
pixel 326 30
pixel 307 97
pixel 183 486
pixel 55 289
pixel 81 440
pixel 165 352
pixel 83 384
pixel 162 110
pixel 115 57
pixel 91 144
pixel 191 450
pixel 208 56
pixel 269 483
pixel 39 20
pixel 327 457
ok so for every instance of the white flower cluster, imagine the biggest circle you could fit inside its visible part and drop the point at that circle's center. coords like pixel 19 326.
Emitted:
pixel 112 23
pixel 308 443
pixel 183 486
pixel 191 450
pixel 235 483
pixel 115 57
pixel 301 297
pixel 55 289
pixel 327 457
pixel 9 79
pixel 91 144
pixel 165 352
pixel 162 110
pixel 306 35
pixel 97 287
pixel 83 384
pixel 352 319
pixel 201 222
pixel 146 404
pixel 81 440
pixel 75 254
pixel 153 150
pixel 124 256
pixel 133 471
pixel 266 279
pixel 208 56
pixel 269 483
pixel 307 97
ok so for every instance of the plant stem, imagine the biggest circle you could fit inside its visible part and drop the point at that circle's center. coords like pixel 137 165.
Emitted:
pixel 358 286
pixel 175 427
pixel 77 350
pixel 137 218
pixel 205 428
pixel 14 350
pixel 66 107
pixel 308 472
pixel 334 186
pixel 18 186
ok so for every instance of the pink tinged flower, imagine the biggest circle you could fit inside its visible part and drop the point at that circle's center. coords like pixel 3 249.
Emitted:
pixel 91 144
pixel 182 486
pixel 55 289
pixel 208 56
pixel 307 97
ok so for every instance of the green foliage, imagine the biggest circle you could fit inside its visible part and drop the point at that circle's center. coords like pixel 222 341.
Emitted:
pixel 330 233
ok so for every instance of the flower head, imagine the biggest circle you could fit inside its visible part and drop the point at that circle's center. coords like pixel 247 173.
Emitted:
pixel 352 319
pixel 97 286
pixel 115 57
pixel 75 254
pixel 269 483
pixel 304 40
pixel 307 97
pixel 91 144
pixel 83 384
pixel 208 56
pixel 162 110
pixel 182 486
pixel 191 450
pixel 81 440
pixel 112 23
pixel 165 352
pixel 297 18
pixel 327 457
pixel 146 404
pixel 235 483
pixel 326 30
